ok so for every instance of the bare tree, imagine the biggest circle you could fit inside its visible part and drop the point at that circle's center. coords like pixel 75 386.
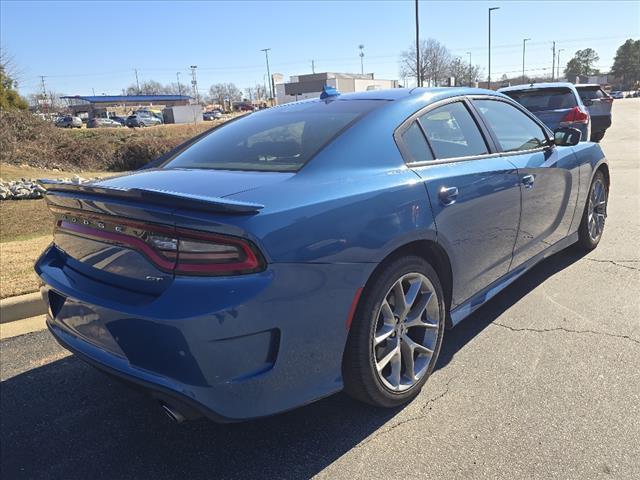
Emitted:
pixel 435 60
pixel 224 91
pixel 463 73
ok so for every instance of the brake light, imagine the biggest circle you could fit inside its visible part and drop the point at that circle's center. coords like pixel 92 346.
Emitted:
pixel 576 115
pixel 178 250
pixel 204 254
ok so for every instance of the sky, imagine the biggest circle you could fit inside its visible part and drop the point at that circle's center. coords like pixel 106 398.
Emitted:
pixel 83 47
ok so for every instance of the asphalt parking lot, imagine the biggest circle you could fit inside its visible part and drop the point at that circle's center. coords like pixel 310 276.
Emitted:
pixel 542 382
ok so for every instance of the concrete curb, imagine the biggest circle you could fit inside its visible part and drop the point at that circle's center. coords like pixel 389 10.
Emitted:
pixel 22 306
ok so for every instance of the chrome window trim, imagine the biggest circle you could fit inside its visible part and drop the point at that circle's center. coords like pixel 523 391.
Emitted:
pixel 492 148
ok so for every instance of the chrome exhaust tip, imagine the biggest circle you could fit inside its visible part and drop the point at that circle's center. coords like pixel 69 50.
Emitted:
pixel 172 413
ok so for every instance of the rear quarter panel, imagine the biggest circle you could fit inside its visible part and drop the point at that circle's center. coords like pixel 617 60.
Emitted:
pixel 590 157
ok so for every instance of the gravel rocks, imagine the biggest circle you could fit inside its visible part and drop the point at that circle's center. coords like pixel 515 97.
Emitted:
pixel 29 188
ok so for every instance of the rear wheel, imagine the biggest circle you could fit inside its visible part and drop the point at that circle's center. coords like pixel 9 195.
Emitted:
pixel 595 213
pixel 396 334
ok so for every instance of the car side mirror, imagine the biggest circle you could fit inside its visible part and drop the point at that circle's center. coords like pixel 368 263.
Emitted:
pixel 566 136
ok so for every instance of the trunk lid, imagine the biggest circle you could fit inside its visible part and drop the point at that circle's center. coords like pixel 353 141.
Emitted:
pixel 102 229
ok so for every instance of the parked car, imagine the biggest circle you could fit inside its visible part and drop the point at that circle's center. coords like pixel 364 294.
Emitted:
pixel 599 105
pixel 142 119
pixel 617 94
pixel 68 121
pixel 556 104
pixel 120 120
pixel 244 107
pixel 314 247
pixel 98 122
pixel 213 115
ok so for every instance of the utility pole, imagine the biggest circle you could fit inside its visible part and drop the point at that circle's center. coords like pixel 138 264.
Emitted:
pixel 194 83
pixel 313 67
pixel 559 50
pixel 489 76
pixel 137 81
pixel 418 73
pixel 44 94
pixel 361 47
pixel 524 46
pixel 553 64
pixel 266 56
pixel 470 67
pixel 179 85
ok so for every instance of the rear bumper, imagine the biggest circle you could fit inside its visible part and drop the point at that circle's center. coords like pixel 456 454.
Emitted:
pixel 232 348
pixel 600 123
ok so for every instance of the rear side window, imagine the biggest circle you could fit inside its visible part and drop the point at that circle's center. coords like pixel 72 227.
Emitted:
pixel 452 132
pixel 513 129
pixel 536 100
pixel 280 139
pixel 416 144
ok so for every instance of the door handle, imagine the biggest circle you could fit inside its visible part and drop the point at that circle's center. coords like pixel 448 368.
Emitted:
pixel 528 181
pixel 448 195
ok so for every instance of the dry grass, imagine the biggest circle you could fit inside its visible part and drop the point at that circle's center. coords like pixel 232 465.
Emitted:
pixel 24 219
pixel 16 265
pixel 15 172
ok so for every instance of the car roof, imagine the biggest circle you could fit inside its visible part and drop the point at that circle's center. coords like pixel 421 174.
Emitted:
pixel 527 86
pixel 400 93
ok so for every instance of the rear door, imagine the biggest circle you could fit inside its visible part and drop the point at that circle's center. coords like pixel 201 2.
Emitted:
pixel 474 194
pixel 548 176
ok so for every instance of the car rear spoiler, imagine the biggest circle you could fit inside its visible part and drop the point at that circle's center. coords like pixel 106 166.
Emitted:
pixel 153 196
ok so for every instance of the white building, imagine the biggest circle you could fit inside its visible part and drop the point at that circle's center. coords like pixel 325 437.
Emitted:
pixel 301 87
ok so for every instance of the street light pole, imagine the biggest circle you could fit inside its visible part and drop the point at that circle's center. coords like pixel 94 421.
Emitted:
pixel 489 67
pixel 470 67
pixel 361 47
pixel 179 86
pixel 194 83
pixel 418 74
pixel 559 50
pixel 266 56
pixel 524 47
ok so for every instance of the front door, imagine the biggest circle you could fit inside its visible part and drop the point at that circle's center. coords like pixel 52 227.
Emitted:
pixel 474 194
pixel 548 176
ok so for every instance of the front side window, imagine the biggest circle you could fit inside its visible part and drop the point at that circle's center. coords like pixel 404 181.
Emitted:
pixel 452 132
pixel 279 139
pixel 512 128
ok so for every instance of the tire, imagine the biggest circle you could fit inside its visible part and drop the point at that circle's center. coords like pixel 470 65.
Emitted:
pixel 595 213
pixel 597 136
pixel 394 386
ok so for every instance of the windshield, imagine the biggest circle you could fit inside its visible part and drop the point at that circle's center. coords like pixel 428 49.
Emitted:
pixel 281 139
pixel 536 100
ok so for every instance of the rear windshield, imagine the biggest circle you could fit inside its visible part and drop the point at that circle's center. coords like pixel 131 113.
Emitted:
pixel 281 139
pixel 536 100
pixel 591 93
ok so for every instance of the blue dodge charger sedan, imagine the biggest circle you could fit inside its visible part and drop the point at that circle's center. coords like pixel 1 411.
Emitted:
pixel 313 247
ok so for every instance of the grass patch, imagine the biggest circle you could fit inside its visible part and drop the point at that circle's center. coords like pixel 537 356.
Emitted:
pixel 24 219
pixel 16 265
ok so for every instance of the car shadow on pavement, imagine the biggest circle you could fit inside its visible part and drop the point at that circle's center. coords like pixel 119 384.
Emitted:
pixel 458 337
pixel 67 420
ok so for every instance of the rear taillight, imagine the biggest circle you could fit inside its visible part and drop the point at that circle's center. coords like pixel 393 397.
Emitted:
pixel 576 115
pixel 204 254
pixel 181 251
